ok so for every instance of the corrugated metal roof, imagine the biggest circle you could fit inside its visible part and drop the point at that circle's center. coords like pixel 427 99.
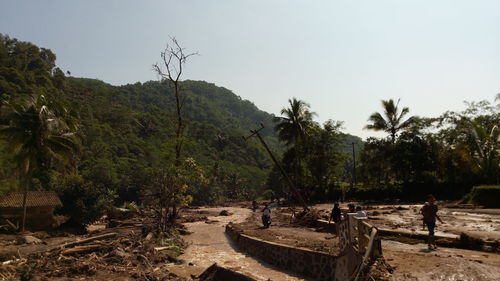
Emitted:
pixel 34 199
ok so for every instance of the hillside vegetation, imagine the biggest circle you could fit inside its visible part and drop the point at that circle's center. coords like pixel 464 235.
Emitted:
pixel 126 132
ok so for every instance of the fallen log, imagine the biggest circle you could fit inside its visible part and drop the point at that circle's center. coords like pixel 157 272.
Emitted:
pixel 80 249
pixel 158 249
pixel 86 240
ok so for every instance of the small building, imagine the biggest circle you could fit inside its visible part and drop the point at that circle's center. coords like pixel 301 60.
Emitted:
pixel 39 208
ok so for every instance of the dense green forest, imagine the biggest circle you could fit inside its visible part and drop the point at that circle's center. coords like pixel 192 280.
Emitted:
pixel 94 142
pixel 123 133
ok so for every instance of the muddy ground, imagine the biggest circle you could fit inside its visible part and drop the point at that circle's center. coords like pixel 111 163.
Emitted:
pixel 209 244
pixel 130 255
pixel 284 230
pixel 409 261
pixel 481 223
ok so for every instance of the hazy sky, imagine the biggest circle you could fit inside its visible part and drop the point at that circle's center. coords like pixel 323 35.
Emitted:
pixel 342 57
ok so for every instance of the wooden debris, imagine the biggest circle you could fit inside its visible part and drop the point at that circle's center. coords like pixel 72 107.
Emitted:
pixel 158 249
pixel 80 249
pixel 90 239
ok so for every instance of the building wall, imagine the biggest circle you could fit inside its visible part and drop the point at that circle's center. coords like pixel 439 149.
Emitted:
pixel 37 218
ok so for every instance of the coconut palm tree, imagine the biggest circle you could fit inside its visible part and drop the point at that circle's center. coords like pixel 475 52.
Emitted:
pixel 392 119
pixel 485 149
pixel 293 128
pixel 38 138
pixel 296 122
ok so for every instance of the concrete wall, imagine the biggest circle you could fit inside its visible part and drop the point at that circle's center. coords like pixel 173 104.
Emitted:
pixel 309 263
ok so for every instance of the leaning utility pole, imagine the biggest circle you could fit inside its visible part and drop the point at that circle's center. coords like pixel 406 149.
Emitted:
pixel 290 183
pixel 353 165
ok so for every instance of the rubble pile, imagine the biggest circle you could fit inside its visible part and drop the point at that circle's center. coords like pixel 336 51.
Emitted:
pixel 308 217
pixel 129 255
pixel 379 270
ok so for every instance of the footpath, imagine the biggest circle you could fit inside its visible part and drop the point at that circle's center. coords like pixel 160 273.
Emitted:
pixel 209 244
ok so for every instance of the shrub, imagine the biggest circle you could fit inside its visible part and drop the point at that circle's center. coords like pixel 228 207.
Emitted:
pixel 486 195
pixel 83 202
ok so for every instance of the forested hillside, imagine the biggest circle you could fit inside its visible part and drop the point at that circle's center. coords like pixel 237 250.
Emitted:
pixel 124 133
pixel 128 129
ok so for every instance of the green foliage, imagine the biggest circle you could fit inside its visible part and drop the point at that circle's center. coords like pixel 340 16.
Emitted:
pixel 391 121
pixel 82 201
pixel 486 195
pixel 296 123
pixel 314 156
pixel 167 189
pixel 121 145
pixel 35 126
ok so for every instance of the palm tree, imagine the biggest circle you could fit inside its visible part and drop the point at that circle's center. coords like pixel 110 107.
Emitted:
pixel 293 128
pixel 392 120
pixel 296 123
pixel 485 149
pixel 38 138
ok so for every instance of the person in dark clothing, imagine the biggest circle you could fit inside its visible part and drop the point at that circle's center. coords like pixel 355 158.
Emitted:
pixel 351 207
pixel 336 214
pixel 255 206
pixel 429 211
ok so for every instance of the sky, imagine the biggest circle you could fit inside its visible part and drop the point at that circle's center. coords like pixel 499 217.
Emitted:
pixel 342 57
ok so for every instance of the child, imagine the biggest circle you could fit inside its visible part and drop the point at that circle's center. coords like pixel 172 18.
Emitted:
pixel 429 211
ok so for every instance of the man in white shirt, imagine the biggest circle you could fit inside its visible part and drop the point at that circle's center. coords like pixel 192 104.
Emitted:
pixel 360 213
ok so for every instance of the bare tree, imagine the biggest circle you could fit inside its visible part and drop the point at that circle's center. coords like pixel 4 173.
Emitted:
pixel 174 59
pixel 170 71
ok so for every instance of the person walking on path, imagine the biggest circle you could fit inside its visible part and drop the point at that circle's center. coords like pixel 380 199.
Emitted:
pixel 266 216
pixel 429 211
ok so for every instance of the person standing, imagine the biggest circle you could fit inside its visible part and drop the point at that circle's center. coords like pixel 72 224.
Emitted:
pixel 266 216
pixel 254 205
pixel 336 214
pixel 360 213
pixel 429 211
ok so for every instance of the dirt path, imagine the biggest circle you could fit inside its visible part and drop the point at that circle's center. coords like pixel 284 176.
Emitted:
pixel 415 262
pixel 209 244
pixel 483 223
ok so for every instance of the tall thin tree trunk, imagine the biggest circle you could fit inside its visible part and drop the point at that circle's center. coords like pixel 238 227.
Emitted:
pixel 179 131
pixel 26 183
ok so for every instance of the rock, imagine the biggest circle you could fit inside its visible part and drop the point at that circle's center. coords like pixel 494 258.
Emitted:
pixel 28 239
pixel 224 213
